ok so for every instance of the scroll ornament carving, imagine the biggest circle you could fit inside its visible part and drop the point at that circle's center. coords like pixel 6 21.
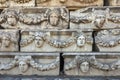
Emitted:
pixel 80 40
pixel 21 1
pixel 86 1
pixel 78 60
pixel 24 62
pixel 108 38
pixel 82 19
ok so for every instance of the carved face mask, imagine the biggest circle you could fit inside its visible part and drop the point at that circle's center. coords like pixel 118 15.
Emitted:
pixel 84 66
pixel 38 41
pixel 23 66
pixel 11 20
pixel 99 21
pixel 81 41
pixel 54 19
pixel 6 42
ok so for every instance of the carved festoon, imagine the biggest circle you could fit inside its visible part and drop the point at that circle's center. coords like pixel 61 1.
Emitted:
pixel 9 40
pixel 58 40
pixel 80 65
pixel 108 40
pixel 26 63
pixel 42 18
pixel 95 18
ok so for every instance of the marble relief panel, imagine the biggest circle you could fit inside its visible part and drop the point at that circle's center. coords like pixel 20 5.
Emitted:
pixel 64 40
pixel 87 65
pixel 9 40
pixel 35 18
pixel 95 18
pixel 42 64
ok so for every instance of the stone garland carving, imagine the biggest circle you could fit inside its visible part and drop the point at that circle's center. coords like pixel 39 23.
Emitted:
pixel 82 19
pixel 115 18
pixel 108 38
pixel 84 63
pixel 40 38
pixel 30 20
pixel 24 62
pixel 99 17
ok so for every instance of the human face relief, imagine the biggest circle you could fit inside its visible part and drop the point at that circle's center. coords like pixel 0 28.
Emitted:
pixel 23 66
pixel 11 20
pixel 5 41
pixel 84 66
pixel 54 19
pixel 81 40
pixel 39 41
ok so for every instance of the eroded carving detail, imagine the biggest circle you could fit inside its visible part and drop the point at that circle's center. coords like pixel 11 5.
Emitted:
pixel 108 38
pixel 9 40
pixel 85 62
pixel 41 37
pixel 24 62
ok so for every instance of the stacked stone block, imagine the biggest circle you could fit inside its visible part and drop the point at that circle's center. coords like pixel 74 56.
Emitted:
pixel 35 33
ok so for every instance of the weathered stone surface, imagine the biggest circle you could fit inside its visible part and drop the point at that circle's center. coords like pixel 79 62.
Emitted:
pixel 108 40
pixel 42 64
pixel 23 3
pixel 4 3
pixel 71 4
pixel 35 18
pixel 114 2
pixel 95 18
pixel 88 65
pixel 9 40
pixel 54 40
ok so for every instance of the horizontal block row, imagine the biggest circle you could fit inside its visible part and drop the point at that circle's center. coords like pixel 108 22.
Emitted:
pixel 94 18
pixel 59 41
pixel 75 64
pixel 34 3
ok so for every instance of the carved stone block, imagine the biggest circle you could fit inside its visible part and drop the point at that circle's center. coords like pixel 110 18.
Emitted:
pixel 95 18
pixel 9 40
pixel 23 3
pixel 114 2
pixel 54 40
pixel 4 3
pixel 71 4
pixel 35 18
pixel 34 64
pixel 108 40
pixel 87 65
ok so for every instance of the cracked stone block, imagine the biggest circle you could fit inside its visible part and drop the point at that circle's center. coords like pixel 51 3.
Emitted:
pixel 9 40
